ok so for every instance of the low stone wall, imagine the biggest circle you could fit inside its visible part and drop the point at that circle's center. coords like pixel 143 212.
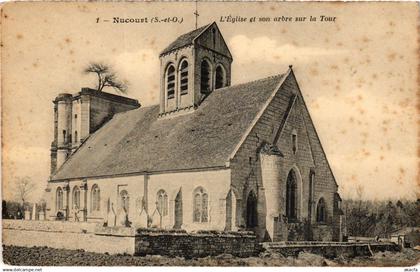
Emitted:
pixel 199 244
pixel 118 240
pixel 53 226
pixel 329 249
pixel 65 235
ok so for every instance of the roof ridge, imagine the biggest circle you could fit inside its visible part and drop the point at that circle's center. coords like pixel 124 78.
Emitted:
pixel 173 45
pixel 252 81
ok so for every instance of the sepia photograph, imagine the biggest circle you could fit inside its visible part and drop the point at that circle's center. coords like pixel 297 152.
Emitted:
pixel 209 133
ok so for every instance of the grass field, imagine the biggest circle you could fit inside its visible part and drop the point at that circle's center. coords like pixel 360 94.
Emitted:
pixel 43 256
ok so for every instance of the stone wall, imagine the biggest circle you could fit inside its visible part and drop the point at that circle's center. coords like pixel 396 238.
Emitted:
pixel 329 249
pixel 200 244
pixel 118 240
pixel 65 235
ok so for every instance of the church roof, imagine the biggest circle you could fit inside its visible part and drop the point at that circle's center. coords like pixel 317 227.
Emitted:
pixel 184 40
pixel 139 141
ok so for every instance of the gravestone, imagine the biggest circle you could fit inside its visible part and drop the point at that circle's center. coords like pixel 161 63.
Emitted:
pixel 111 218
pixel 27 214
pixel 122 218
pixel 41 215
pixel 141 219
pixel 156 219
pixel 33 214
pixel 166 221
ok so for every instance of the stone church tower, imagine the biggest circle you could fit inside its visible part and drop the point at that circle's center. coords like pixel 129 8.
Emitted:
pixel 191 68
pixel 79 115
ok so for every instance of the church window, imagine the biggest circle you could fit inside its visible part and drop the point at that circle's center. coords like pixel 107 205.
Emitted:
pixel 162 202
pixel 321 213
pixel 183 78
pixel 200 205
pixel 76 197
pixel 170 81
pixel 291 197
pixel 75 116
pixel 59 199
pixel 205 76
pixel 220 77
pixel 294 142
pixel 64 135
pixel 124 200
pixel 75 136
pixel 96 198
pixel 214 37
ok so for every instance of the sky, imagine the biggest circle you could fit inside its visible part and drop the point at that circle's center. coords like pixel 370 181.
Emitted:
pixel 358 74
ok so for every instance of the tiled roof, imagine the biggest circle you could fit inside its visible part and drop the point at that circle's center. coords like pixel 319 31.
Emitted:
pixel 137 140
pixel 184 40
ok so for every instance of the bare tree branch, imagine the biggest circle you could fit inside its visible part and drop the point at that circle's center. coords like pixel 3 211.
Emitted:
pixel 24 188
pixel 106 77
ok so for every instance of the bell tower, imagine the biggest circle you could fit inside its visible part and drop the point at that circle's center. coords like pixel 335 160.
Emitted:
pixel 191 68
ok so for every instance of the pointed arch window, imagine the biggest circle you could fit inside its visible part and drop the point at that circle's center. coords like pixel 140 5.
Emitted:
pixel 96 198
pixel 205 76
pixel 183 77
pixel 291 196
pixel 170 81
pixel 200 205
pixel 220 77
pixel 59 199
pixel 162 202
pixel 124 200
pixel 76 197
pixel 321 212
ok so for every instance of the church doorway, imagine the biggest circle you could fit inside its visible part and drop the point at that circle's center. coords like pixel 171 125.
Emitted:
pixel 178 210
pixel 251 211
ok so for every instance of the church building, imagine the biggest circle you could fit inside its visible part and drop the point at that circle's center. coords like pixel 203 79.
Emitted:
pixel 210 156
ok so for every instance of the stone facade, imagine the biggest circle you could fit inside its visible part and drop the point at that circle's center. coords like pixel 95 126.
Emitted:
pixel 266 175
pixel 142 193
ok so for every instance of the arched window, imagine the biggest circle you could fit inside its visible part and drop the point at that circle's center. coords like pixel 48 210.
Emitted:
pixel 76 197
pixel 170 81
pixel 96 198
pixel 162 202
pixel 220 77
pixel 183 77
pixel 59 199
pixel 200 205
pixel 205 76
pixel 291 196
pixel 75 136
pixel 321 212
pixel 294 141
pixel 124 200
